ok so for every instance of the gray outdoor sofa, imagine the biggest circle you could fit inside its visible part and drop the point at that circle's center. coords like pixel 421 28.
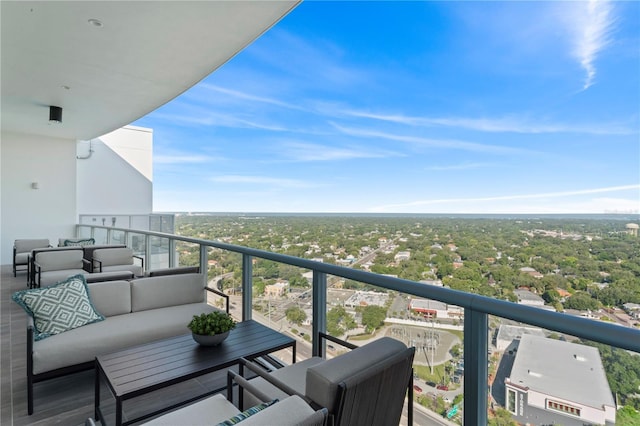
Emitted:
pixel 135 312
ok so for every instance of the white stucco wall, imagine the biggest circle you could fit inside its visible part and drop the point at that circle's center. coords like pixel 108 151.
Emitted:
pixel 47 212
pixel 117 177
pixel 588 414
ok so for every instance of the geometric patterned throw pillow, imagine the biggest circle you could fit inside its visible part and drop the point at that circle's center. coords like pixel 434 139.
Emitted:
pixel 59 307
pixel 77 242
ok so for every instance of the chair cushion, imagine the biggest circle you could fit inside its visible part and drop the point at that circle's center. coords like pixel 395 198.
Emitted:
pixel 294 375
pixel 83 344
pixel 323 379
pixel 246 413
pixel 171 290
pixel 205 412
pixel 136 270
pixel 56 259
pixel 26 245
pixel 58 308
pixel 288 412
pixel 111 297
pixel 114 256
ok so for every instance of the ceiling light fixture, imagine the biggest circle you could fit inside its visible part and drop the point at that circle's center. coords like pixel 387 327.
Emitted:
pixel 55 114
pixel 95 22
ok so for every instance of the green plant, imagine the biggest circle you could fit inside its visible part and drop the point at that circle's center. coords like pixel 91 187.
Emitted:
pixel 210 324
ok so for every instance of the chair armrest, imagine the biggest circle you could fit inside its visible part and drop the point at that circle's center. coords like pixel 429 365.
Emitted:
pixel 336 340
pixel 93 265
pixel 141 261
pixel 88 264
pixel 243 383
pixel 38 274
pixel 219 293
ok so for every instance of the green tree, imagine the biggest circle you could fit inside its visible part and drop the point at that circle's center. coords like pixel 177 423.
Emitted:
pixel 373 317
pixel 339 321
pixel 627 416
pixel 581 301
pixel 502 417
pixel 295 315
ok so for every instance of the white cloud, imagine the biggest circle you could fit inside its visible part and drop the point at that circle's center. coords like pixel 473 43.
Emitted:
pixel 249 97
pixel 432 143
pixel 497 125
pixel 463 166
pixel 182 159
pixel 591 25
pixel 473 204
pixel 302 151
pixel 263 180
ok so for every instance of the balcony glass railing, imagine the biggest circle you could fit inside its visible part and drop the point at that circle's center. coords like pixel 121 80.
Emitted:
pixel 456 370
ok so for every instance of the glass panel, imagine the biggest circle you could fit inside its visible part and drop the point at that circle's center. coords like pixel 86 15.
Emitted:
pixel 159 253
pixel 118 237
pixel 84 231
pixel 100 235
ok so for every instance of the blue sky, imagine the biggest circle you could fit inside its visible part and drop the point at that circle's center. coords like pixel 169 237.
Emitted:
pixel 414 107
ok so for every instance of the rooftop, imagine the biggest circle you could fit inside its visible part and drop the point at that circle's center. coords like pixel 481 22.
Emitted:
pixel 574 372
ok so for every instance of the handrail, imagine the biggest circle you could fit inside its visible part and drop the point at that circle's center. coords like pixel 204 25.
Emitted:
pixel 476 308
pixel 611 334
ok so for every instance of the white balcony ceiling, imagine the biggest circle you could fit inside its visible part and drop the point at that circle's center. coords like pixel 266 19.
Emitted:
pixel 144 54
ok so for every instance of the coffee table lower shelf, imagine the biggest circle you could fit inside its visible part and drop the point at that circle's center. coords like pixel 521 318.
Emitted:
pixel 146 368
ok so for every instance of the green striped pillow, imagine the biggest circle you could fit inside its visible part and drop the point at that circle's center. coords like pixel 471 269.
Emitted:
pixel 247 413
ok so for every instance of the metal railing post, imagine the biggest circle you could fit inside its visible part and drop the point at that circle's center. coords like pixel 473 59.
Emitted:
pixel 247 286
pixel 319 319
pixel 204 258
pixel 147 250
pixel 172 256
pixel 476 331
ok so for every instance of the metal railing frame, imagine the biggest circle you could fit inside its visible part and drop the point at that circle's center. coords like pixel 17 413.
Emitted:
pixel 477 309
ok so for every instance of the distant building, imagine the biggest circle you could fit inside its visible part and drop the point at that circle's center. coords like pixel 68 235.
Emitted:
pixel 632 229
pixel 525 297
pixel 276 290
pixel 557 382
pixel 530 271
pixel 633 309
pixel 511 334
pixel 435 309
pixel 366 298
pixel 437 283
pixel 402 255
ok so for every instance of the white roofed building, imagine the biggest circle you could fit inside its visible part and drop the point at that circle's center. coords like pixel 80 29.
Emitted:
pixel 557 382
pixel 435 309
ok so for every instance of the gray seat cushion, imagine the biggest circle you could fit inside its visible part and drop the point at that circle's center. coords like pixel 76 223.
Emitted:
pixel 82 344
pixel 293 375
pixel 26 245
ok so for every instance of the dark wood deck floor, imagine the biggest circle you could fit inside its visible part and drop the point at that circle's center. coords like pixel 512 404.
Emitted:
pixel 66 401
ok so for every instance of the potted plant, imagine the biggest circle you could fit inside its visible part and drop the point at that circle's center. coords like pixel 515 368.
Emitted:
pixel 212 328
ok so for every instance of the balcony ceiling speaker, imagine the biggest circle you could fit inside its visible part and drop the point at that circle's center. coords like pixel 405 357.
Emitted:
pixel 55 114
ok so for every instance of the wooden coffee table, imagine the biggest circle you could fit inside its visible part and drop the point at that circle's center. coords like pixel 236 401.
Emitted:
pixel 146 368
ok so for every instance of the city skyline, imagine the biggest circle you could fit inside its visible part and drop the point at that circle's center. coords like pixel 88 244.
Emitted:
pixel 414 107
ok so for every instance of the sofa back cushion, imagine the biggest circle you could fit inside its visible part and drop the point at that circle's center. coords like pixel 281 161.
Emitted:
pixel 111 297
pixel 25 246
pixel 114 256
pixel 56 260
pixel 323 379
pixel 88 250
pixel 159 292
